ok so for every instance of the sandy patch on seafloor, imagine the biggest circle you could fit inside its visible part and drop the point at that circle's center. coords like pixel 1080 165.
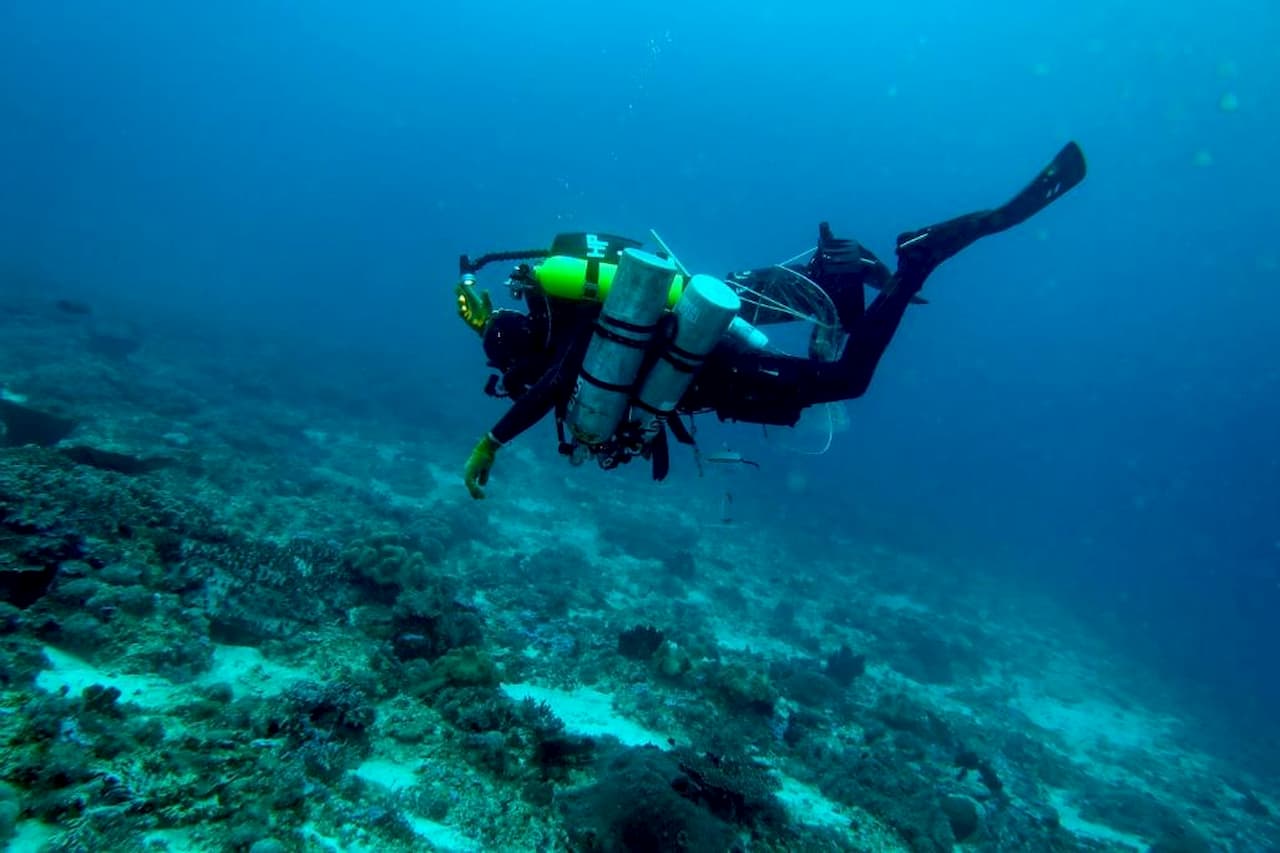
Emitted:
pixel 588 712
pixel 243 667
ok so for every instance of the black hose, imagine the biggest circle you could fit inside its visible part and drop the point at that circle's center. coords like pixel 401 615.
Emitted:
pixel 466 265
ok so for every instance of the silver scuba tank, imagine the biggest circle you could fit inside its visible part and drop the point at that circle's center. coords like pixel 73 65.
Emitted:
pixel 747 335
pixel 703 315
pixel 628 319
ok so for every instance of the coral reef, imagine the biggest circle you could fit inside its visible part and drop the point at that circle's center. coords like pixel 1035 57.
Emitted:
pixel 430 620
pixel 389 560
pixel 268 619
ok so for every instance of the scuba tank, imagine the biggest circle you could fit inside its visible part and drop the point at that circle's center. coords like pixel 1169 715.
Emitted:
pixel 703 316
pixel 568 277
pixel 632 376
pixel 637 299
pixel 744 334
pixel 582 265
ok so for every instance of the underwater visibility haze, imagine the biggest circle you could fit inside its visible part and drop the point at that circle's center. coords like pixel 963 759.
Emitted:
pixel 1022 594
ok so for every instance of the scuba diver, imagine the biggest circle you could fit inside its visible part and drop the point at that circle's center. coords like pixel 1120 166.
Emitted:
pixel 621 343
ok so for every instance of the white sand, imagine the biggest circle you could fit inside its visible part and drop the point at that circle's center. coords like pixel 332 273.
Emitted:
pixel 243 667
pixel 587 712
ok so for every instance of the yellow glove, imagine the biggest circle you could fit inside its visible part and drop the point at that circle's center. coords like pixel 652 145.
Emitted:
pixel 479 464
pixel 474 306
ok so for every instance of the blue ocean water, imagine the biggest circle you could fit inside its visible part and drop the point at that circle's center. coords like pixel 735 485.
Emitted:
pixel 1088 407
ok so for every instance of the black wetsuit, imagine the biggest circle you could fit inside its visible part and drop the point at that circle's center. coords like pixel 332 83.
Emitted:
pixel 760 386
pixel 544 380
pixel 737 383
pixel 742 384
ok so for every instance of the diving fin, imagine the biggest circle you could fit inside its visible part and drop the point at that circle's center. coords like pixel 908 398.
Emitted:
pixel 1062 174
pixel 920 252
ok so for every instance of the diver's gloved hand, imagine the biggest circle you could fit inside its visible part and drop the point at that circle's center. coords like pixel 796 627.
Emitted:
pixel 474 306
pixel 479 464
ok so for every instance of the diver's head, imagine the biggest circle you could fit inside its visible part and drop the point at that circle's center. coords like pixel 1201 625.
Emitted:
pixel 508 339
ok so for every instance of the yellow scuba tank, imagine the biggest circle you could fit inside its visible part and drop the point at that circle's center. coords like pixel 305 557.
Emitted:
pixel 582 266
pixel 566 277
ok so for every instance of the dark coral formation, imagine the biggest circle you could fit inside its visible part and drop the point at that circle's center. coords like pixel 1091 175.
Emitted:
pixel 121 463
pixel 843 666
pixel 635 806
pixel 640 642
pixel 25 425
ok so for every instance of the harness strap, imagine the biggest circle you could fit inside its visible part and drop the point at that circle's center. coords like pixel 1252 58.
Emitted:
pixel 661 455
pixel 680 431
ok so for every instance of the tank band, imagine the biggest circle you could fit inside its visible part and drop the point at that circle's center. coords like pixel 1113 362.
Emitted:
pixel 626 326
pixel 685 354
pixel 605 386
pixel 680 358
pixel 632 343
pixel 653 410
pixel 680 363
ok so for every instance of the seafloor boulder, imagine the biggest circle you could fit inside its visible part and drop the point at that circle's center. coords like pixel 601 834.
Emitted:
pixel 25 425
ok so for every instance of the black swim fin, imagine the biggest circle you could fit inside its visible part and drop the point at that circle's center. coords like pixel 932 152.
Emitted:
pixel 1062 174
pixel 920 252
